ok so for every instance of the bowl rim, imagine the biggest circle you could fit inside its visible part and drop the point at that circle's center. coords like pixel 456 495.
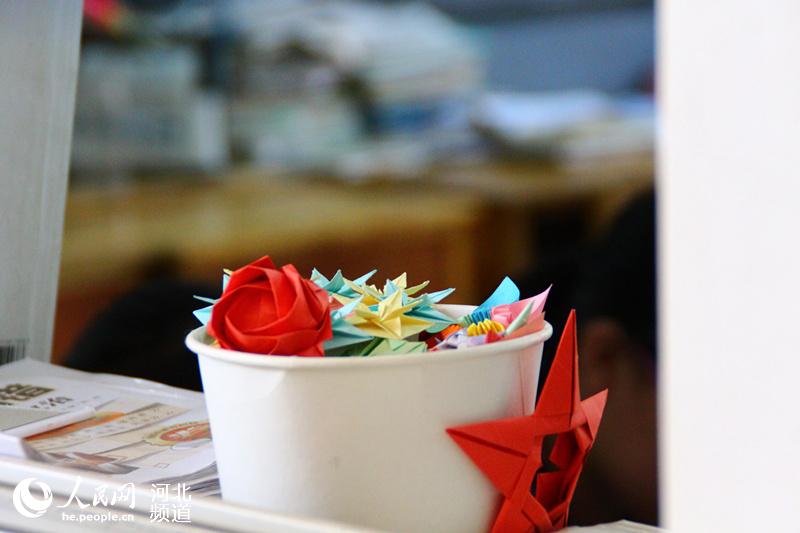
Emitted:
pixel 196 342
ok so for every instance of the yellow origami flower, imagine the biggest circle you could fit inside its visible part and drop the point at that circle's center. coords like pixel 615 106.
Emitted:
pixel 389 320
pixel 373 295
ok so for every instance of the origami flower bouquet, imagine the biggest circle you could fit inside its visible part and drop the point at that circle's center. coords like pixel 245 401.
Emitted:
pixel 275 311
pixel 423 422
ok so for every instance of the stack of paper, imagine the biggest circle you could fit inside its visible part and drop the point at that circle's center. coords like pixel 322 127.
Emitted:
pixel 569 126
pixel 139 431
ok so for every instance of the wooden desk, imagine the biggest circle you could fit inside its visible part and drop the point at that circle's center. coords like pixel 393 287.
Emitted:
pixel 116 238
pixel 460 226
pixel 543 185
pixel 516 195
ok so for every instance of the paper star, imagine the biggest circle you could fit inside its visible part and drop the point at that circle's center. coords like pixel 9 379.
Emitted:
pixel 424 309
pixel 344 333
pixel 338 284
pixel 400 314
pixel 372 295
pixel 537 487
pixel 387 319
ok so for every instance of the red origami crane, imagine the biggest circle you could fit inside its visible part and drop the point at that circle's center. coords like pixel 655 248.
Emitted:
pixel 535 461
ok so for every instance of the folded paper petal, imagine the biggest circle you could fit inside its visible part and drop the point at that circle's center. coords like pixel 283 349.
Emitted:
pixel 344 333
pixel 505 293
pixel 506 313
pixel 337 285
pixel 272 311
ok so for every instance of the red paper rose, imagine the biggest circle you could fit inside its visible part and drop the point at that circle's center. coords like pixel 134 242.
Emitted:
pixel 271 311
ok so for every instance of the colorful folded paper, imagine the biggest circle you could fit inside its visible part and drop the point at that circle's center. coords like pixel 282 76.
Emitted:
pixel 268 310
pixel 533 461
pixel 275 311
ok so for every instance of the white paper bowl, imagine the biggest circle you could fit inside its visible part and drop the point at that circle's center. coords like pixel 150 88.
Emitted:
pixel 362 440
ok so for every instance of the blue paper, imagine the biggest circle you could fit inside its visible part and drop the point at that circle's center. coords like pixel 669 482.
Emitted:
pixel 344 333
pixel 505 293
pixel 425 311
pixel 337 284
pixel 204 314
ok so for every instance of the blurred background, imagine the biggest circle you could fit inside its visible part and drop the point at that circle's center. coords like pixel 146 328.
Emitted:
pixel 458 140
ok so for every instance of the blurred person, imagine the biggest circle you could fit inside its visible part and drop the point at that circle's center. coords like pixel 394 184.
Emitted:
pixel 616 294
pixel 611 284
pixel 141 335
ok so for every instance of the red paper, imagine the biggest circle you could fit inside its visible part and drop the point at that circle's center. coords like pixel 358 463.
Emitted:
pixel 433 340
pixel 271 311
pixel 537 480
